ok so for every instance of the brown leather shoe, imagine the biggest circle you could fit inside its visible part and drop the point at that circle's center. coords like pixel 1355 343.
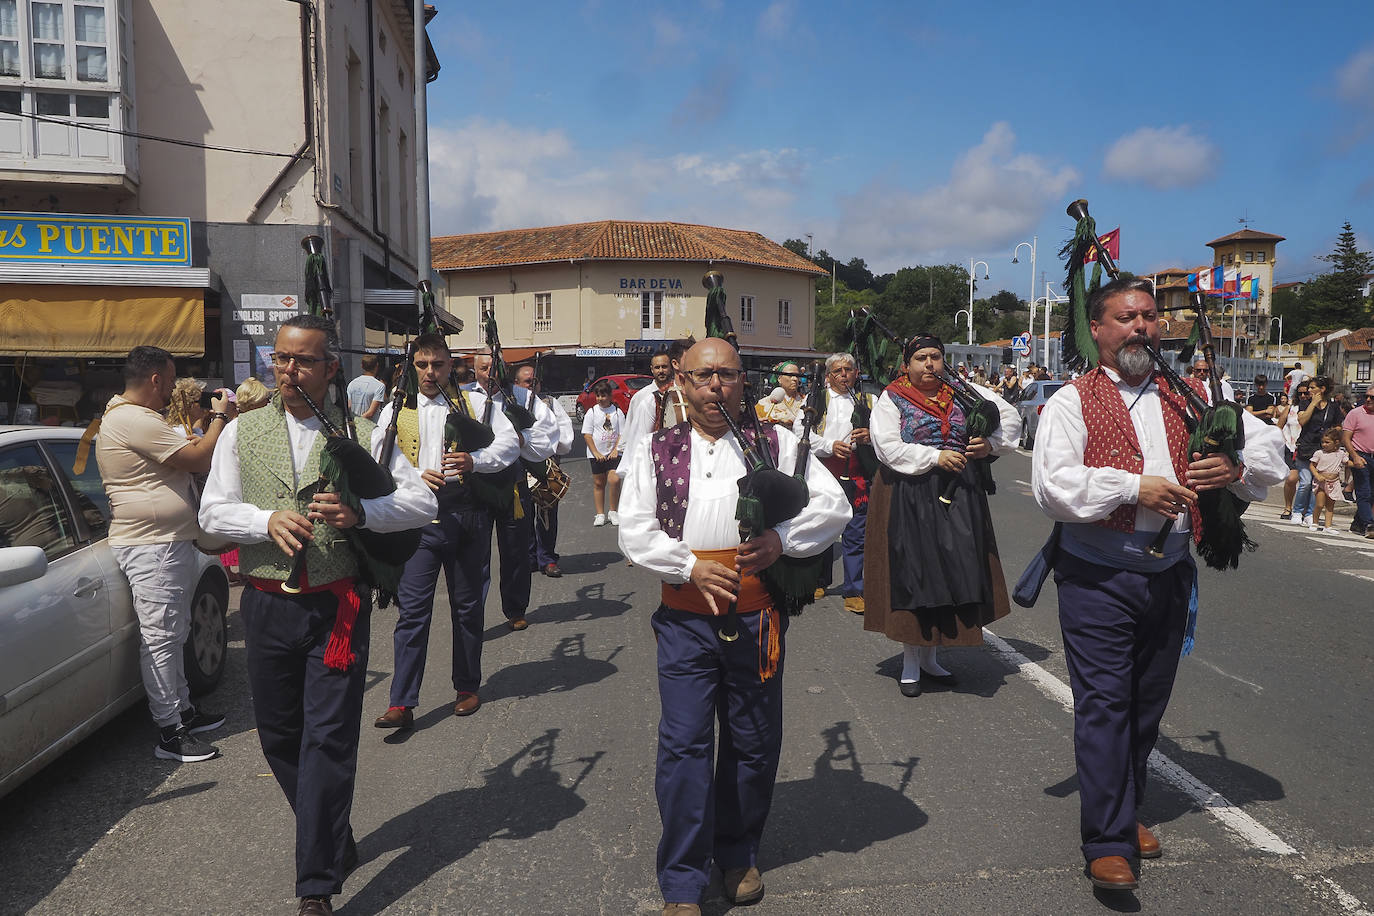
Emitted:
pixel 743 886
pixel 467 704
pixel 518 623
pixel 396 717
pixel 1112 873
pixel 855 604
pixel 315 906
pixel 820 593
pixel 1147 842
pixel 681 909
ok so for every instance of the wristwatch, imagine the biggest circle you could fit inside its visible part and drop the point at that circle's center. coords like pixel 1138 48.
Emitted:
pixel 220 415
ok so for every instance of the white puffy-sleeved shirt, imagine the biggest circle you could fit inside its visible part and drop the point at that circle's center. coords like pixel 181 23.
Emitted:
pixel 716 467
pixel 565 427
pixel 433 413
pixel 639 419
pixel 537 443
pixel 836 426
pixel 1069 491
pixel 914 459
pixel 223 511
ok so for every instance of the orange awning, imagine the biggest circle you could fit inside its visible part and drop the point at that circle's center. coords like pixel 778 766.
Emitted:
pixel 511 355
pixel 100 321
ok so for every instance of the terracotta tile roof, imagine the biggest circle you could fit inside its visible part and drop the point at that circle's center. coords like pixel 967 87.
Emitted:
pixel 1246 235
pixel 1310 338
pixel 615 240
pixel 1358 340
pixel 1289 285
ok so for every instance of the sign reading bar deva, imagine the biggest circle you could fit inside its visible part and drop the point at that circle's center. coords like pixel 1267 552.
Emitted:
pixel 146 240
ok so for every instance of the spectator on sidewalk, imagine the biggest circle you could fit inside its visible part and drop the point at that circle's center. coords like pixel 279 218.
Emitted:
pixel 147 465
pixel 601 431
pixel 1327 466
pixel 365 392
pixel 1318 414
pixel 1357 435
pixel 1289 427
pixel 1262 403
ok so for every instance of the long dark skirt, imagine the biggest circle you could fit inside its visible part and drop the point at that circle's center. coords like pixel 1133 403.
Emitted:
pixel 933 576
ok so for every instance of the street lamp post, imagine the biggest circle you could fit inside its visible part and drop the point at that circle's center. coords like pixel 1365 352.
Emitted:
pixel 972 270
pixel 969 313
pixel 1266 336
pixel 1031 246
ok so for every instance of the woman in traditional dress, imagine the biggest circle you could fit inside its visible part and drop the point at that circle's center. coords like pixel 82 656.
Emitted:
pixel 934 577
pixel 784 404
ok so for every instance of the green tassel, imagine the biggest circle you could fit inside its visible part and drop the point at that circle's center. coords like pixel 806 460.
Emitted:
pixel 1077 348
pixel 791 582
pixel 314 286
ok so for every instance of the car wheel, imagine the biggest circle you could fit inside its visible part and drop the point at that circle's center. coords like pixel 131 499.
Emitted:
pixel 207 644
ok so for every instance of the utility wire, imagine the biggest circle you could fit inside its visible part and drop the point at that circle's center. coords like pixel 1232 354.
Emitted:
pixel 172 140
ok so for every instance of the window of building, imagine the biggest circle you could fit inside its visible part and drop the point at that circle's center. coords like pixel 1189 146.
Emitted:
pixel 356 108
pixel 1362 371
pixel 58 55
pixel 384 166
pixel 485 306
pixel 1249 257
pixel 543 312
pixel 746 314
pixel 651 315
pixel 784 317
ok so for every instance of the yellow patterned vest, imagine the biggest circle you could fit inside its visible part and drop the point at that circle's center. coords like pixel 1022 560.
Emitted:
pixel 268 483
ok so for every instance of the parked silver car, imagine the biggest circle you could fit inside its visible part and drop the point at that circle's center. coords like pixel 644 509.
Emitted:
pixel 1029 404
pixel 68 636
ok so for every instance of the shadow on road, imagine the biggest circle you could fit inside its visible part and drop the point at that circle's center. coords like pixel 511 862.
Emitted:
pixel 590 562
pixel 514 804
pixel 567 668
pixel 979 674
pixel 1240 784
pixel 591 604
pixel 837 810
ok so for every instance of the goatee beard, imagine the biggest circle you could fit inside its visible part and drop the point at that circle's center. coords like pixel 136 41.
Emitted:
pixel 1132 360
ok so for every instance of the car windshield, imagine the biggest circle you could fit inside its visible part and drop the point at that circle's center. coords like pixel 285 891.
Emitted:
pixel 1028 392
pixel 634 384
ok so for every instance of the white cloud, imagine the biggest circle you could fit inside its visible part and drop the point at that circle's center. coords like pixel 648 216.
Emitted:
pixel 1355 79
pixel 667 32
pixel 994 196
pixel 1162 157
pixel 489 175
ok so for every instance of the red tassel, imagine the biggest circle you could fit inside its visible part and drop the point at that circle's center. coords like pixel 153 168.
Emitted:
pixel 338 654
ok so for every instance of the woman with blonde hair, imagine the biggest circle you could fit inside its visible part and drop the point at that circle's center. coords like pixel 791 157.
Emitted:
pixel 252 394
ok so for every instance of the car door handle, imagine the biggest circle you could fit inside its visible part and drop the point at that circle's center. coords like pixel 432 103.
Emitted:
pixel 87 588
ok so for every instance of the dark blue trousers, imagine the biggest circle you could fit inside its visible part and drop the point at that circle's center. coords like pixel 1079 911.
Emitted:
pixel 852 551
pixel 1123 632
pixel 460 546
pixel 513 537
pixel 713 801
pixel 544 550
pixel 307 717
pixel 1360 476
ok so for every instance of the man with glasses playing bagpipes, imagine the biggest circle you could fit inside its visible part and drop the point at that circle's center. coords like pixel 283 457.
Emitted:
pixel 430 431
pixel 306 612
pixel 1133 465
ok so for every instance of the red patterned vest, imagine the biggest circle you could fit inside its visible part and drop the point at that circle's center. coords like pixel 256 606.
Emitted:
pixel 1112 441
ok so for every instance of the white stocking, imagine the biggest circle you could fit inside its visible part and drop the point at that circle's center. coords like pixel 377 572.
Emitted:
pixel 911 664
pixel 928 662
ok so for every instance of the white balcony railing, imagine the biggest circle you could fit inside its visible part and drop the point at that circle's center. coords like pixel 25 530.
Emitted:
pixel 746 327
pixel 543 325
pixel 784 330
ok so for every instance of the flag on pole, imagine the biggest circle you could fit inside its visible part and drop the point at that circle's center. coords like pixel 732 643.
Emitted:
pixel 1110 241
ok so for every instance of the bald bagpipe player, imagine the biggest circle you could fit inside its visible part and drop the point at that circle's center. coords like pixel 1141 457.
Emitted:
pixel 1134 466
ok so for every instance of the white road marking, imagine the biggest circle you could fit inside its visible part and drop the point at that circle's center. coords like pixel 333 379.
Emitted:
pixel 1251 684
pixel 1324 886
pixel 1024 483
pixel 1359 573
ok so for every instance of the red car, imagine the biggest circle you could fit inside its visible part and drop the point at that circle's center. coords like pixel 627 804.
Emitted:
pixel 623 387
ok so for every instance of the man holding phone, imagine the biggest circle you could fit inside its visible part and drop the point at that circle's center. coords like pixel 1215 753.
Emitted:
pixel 146 465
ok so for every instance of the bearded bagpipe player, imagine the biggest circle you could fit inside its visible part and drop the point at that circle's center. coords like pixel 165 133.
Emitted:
pixel 297 493
pixel 710 506
pixel 464 461
pixel 1133 466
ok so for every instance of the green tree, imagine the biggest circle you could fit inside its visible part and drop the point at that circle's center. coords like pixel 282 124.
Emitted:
pixel 1332 299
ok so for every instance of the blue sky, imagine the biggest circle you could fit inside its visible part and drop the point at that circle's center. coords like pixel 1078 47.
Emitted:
pixel 913 133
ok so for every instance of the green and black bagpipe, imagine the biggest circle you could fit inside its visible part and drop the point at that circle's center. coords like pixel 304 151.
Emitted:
pixel 981 420
pixel 346 467
pixel 462 431
pixel 768 496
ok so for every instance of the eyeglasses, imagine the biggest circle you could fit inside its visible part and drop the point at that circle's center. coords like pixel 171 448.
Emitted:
pixel 702 377
pixel 1202 371
pixel 303 363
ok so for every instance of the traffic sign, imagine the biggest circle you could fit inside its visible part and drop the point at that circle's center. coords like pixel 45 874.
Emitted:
pixel 1020 344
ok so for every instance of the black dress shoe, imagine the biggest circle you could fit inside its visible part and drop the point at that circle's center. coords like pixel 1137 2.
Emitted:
pixel 315 906
pixel 910 688
pixel 944 680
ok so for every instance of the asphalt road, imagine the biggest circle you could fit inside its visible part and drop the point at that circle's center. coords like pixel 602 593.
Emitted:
pixel 959 801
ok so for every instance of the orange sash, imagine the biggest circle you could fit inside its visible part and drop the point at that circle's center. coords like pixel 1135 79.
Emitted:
pixel 753 598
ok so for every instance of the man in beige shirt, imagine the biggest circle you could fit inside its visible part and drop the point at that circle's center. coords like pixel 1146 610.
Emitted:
pixel 146 465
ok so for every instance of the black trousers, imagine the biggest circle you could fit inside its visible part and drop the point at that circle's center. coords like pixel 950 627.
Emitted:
pixel 513 539
pixel 308 717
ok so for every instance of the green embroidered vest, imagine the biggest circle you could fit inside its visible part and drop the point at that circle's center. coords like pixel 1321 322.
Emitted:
pixel 268 483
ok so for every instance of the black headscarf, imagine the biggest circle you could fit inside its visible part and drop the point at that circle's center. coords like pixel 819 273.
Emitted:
pixel 920 342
